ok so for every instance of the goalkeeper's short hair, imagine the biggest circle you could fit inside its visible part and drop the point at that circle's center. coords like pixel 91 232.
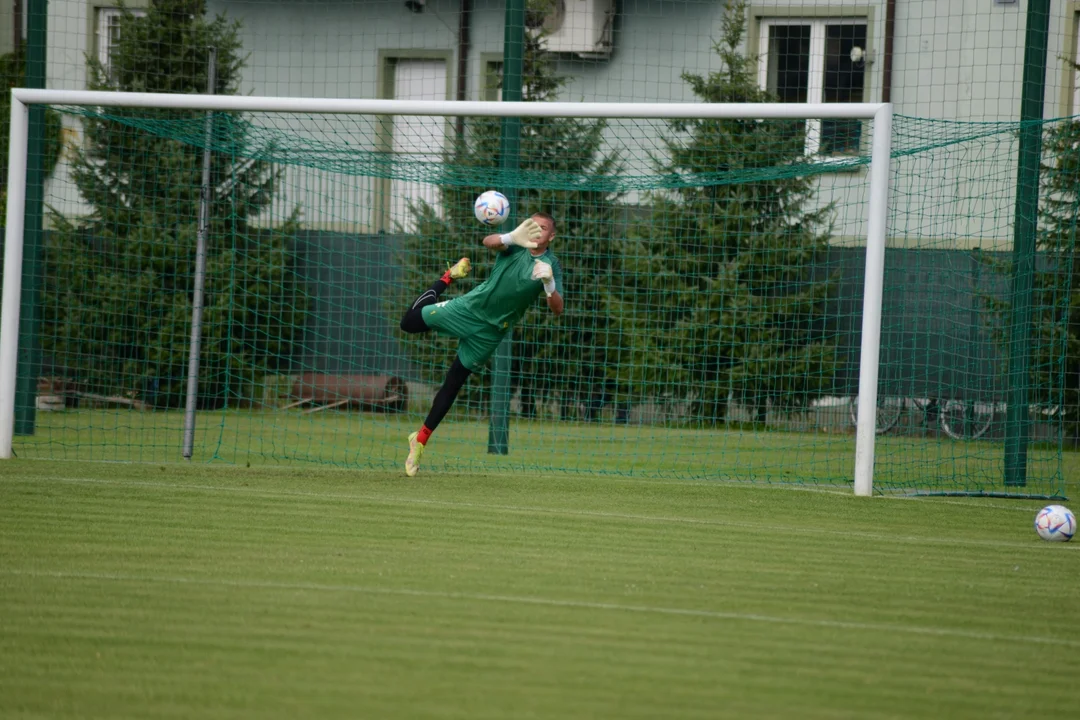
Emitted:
pixel 546 216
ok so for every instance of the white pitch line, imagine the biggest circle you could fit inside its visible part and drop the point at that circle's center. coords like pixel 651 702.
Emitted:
pixel 524 509
pixel 552 602
pixel 824 488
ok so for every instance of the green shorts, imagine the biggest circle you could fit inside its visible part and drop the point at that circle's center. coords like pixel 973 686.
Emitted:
pixel 479 339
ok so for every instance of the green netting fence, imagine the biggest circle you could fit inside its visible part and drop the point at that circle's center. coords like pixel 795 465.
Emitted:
pixel 713 285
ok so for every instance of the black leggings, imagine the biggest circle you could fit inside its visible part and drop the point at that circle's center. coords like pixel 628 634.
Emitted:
pixel 413 322
pixel 444 399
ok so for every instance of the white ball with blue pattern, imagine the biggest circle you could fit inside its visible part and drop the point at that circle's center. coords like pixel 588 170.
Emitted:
pixel 492 208
pixel 1055 523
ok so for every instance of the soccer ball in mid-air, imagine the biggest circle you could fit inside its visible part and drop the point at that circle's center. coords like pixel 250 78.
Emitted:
pixel 1055 523
pixel 492 208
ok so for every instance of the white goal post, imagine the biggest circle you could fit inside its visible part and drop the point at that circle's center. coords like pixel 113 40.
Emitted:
pixel 880 113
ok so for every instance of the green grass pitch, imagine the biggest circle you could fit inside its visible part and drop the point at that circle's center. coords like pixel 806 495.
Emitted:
pixel 211 591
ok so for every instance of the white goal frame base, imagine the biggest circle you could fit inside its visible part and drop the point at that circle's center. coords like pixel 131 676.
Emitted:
pixel 881 148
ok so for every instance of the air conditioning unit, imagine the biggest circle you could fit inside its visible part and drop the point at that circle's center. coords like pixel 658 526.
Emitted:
pixel 582 27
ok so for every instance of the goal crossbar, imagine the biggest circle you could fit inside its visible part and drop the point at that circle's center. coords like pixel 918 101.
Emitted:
pixel 451 108
pixel 881 147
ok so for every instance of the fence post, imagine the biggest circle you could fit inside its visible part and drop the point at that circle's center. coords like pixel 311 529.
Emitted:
pixel 1017 421
pixel 513 58
pixel 29 362
pixel 200 269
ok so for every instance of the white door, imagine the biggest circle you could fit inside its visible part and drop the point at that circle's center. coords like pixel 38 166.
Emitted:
pixel 418 141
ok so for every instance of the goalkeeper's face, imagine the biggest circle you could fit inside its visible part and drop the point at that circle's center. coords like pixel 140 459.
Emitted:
pixel 548 234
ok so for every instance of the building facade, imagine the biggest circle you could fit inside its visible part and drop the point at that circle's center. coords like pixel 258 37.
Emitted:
pixel 949 59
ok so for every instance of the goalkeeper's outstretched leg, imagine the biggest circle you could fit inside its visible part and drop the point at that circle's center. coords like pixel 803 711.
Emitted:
pixel 413 322
pixel 444 399
pixel 413 319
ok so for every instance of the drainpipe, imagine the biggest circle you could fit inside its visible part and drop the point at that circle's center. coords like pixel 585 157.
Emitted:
pixel 463 60
pixel 17 21
pixel 890 31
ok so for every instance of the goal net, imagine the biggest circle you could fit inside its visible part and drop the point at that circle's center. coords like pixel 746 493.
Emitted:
pixel 715 275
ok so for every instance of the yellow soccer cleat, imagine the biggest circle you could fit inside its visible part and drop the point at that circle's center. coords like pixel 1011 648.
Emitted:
pixel 460 269
pixel 416 451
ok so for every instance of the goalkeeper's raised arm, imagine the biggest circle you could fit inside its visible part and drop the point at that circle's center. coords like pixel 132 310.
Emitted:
pixel 524 235
pixel 535 235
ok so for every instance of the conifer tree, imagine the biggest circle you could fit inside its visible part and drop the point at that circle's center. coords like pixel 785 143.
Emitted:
pixel 1057 291
pixel 737 260
pixel 1054 361
pixel 118 292
pixel 13 74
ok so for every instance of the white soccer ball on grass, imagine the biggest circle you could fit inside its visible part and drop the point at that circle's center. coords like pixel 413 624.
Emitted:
pixel 492 208
pixel 1055 523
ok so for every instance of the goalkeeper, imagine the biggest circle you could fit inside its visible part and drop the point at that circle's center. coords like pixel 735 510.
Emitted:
pixel 479 319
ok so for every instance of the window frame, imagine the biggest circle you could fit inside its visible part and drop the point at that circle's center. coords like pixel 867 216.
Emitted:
pixel 817 19
pixel 103 38
pixel 492 80
pixel 386 63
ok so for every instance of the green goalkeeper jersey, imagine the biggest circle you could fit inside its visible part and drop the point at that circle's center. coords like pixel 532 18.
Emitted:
pixel 508 292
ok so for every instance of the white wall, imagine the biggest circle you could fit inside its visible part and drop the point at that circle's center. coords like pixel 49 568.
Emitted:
pixel 963 59
pixel 953 59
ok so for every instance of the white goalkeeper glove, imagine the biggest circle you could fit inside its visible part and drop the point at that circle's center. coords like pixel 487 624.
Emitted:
pixel 542 272
pixel 524 235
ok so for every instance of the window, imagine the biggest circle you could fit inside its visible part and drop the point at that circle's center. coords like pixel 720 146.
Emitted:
pixel 108 34
pixel 817 61
pixel 418 139
pixel 493 80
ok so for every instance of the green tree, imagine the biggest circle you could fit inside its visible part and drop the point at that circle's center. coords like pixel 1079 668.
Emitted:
pixel 585 353
pixel 13 74
pixel 120 281
pixel 1054 373
pixel 1057 299
pixel 737 259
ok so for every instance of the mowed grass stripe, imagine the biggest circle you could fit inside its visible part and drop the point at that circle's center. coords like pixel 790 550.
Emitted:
pixel 551 602
pixel 540 510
